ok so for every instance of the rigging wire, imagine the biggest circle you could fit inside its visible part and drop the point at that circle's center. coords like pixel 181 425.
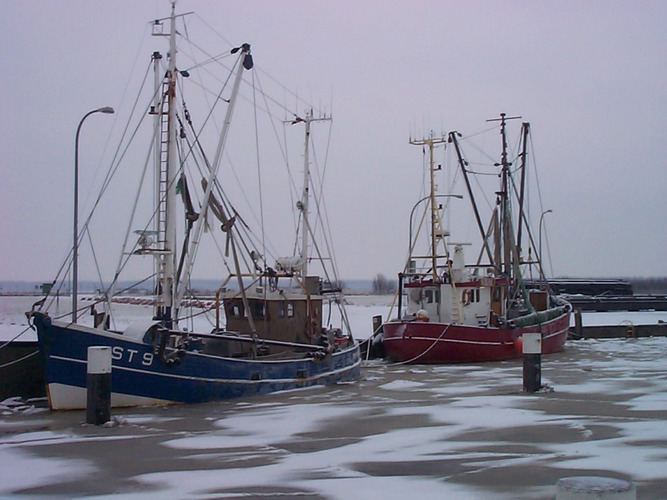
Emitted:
pixel 123 149
pixel 124 94
pixel 259 166
pixel 67 263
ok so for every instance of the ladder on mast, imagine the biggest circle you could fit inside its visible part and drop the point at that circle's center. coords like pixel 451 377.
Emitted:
pixel 162 173
pixel 163 168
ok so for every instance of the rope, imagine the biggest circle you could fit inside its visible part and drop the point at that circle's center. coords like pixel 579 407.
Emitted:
pixel 19 360
pixel 12 340
pixel 259 166
pixel 377 331
pixel 429 348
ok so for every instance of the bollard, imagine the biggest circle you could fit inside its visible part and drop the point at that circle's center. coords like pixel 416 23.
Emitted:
pixel 375 345
pixel 98 403
pixel 578 324
pixel 594 488
pixel 532 362
pixel 377 324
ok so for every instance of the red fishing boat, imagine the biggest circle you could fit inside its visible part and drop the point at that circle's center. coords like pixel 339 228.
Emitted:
pixel 456 312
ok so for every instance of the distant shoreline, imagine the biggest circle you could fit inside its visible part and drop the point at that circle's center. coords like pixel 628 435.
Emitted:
pixel 655 285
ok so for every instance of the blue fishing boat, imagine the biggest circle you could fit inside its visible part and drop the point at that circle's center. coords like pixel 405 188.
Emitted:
pixel 273 323
pixel 142 374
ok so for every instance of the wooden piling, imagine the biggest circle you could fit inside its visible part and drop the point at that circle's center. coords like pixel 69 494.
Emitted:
pixel 98 403
pixel 532 361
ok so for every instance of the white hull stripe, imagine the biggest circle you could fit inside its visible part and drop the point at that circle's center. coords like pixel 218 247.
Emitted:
pixel 221 380
pixel 457 341
pixel 453 341
pixel 69 397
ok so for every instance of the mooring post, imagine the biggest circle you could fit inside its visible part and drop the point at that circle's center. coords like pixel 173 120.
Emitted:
pixel 377 324
pixel 532 362
pixel 578 325
pixel 98 403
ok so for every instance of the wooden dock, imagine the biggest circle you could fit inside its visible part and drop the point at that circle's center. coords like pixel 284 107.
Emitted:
pixel 624 330
pixel 628 331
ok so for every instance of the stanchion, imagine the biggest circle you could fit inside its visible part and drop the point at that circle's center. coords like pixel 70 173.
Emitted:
pixel 98 403
pixel 532 362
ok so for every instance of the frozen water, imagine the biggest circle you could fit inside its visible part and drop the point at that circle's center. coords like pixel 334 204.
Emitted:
pixel 462 431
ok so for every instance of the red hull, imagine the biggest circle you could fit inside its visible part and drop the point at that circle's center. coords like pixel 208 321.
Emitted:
pixel 439 343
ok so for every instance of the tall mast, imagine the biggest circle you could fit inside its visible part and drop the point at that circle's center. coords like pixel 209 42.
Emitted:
pixel 503 197
pixel 478 218
pixel 305 195
pixel 158 117
pixel 170 229
pixel 244 62
pixel 525 130
pixel 436 226
pixel 165 170
pixel 165 137
pixel 304 203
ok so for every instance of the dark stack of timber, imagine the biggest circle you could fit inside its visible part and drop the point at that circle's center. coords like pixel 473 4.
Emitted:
pixel 582 286
pixel 605 295
pixel 630 303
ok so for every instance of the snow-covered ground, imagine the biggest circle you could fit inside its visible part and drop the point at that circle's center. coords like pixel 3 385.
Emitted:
pixel 460 432
pixel 13 321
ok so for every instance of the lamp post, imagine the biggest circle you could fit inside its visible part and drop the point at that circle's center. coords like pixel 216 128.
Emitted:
pixel 540 241
pixel 75 246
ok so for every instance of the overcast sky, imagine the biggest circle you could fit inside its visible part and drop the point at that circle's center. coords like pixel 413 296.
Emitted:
pixel 590 76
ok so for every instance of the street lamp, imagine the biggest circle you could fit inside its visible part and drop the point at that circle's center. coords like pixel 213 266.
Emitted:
pixel 540 241
pixel 75 246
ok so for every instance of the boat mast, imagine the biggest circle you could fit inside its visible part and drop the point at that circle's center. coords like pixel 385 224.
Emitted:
pixel 503 198
pixel 244 62
pixel 165 170
pixel 436 225
pixel 462 163
pixel 305 196
pixel 525 130
pixel 304 203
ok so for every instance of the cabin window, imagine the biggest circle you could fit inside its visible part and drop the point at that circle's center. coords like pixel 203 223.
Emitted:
pixel 286 309
pixel 477 295
pixel 258 309
pixel 236 310
pixel 432 295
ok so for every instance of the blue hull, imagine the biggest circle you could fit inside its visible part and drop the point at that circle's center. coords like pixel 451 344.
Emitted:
pixel 139 377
